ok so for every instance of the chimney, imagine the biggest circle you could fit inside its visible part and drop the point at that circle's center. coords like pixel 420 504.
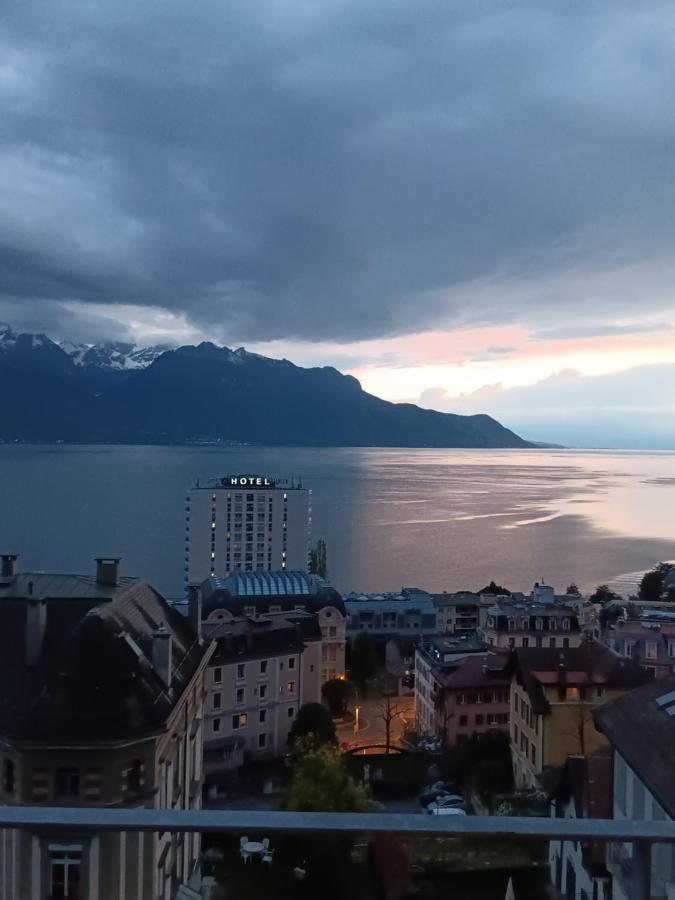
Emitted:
pixel 195 608
pixel 161 653
pixel 8 566
pixel 107 570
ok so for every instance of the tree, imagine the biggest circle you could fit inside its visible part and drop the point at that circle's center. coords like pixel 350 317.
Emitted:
pixel 315 720
pixel 365 660
pixel 651 586
pixel 321 783
pixel 495 589
pixel 317 560
pixel 603 595
pixel 572 590
pixel 388 711
pixel 482 765
pixel 336 694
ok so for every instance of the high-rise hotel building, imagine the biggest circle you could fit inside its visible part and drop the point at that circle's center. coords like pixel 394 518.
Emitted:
pixel 245 523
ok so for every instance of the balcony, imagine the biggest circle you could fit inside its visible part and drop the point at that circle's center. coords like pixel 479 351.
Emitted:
pixel 313 828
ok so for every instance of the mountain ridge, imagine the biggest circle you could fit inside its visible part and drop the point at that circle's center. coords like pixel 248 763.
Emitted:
pixel 119 392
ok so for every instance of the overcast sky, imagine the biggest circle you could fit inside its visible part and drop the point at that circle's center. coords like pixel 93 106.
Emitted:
pixel 465 204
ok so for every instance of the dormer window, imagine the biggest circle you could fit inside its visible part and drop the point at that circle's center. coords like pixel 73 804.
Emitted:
pixel 525 624
pixel 512 624
pixel 491 621
pixel 538 624
pixel 566 624
pixel 552 624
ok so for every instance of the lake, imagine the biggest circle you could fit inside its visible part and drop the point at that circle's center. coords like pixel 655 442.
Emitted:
pixel 436 519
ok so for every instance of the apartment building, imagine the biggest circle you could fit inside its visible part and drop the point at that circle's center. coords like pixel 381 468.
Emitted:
pixel 640 729
pixel 101 696
pixel 261 593
pixel 541 620
pixel 649 638
pixel 552 697
pixel 459 689
pixel 407 614
pixel 462 612
pixel 582 789
pixel 263 670
pixel 245 523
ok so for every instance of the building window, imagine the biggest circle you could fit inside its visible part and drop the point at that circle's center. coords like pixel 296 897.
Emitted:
pixel 241 671
pixel 217 700
pixel 291 712
pixel 262 716
pixel 135 776
pixel 67 782
pixel 215 725
pixel 651 650
pixel 240 696
pixel 526 642
pixel 566 643
pixel 263 691
pixel 218 675
pixel 534 755
pixel 463 721
pixel 566 624
pixel 291 662
pixel 9 776
pixel 263 667
pixel 551 642
pixel 239 721
pixel 262 741
pixel 290 687
pixel 479 720
pixel 65 869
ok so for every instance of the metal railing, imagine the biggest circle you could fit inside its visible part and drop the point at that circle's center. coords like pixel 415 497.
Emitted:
pixel 640 834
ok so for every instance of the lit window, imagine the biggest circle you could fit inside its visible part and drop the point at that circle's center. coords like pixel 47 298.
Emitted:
pixel 290 687
pixel 239 721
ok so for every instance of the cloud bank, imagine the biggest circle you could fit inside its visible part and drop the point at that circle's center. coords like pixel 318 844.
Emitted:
pixel 334 171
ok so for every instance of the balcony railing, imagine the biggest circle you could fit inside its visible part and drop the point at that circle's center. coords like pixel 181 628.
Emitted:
pixel 640 834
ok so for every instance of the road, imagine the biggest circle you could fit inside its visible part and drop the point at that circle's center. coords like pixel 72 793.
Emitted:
pixel 371 726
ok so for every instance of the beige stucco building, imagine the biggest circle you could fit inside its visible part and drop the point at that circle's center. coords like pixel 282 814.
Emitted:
pixel 552 698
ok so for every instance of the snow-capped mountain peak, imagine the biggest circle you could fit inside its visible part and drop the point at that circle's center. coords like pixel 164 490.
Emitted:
pixel 118 356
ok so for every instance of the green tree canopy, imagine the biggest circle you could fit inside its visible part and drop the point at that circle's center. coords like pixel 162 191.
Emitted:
pixel 496 589
pixel 318 563
pixel 315 720
pixel 603 594
pixel 651 586
pixel 321 783
pixel 572 590
pixel 364 664
pixel 336 694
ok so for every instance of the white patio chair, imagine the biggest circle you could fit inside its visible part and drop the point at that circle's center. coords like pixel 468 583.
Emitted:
pixel 265 843
pixel 268 857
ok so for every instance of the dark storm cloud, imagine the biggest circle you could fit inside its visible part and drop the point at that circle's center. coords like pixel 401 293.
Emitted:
pixel 336 170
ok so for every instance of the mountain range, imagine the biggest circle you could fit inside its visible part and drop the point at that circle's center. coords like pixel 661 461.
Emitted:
pixel 118 392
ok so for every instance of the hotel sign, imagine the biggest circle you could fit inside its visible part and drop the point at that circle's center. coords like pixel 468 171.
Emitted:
pixel 249 481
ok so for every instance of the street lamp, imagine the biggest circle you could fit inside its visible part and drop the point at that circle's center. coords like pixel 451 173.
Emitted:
pixel 357 710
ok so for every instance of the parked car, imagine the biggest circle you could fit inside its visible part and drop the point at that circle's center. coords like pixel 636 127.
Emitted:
pixel 433 791
pixel 446 801
pixel 447 811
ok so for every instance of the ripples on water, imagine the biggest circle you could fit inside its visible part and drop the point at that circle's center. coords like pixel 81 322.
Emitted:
pixel 434 518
